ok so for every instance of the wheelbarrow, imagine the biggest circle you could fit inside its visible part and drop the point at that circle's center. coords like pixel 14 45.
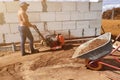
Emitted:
pixel 93 58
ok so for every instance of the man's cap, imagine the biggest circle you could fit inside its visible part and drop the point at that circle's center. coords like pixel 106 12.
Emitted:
pixel 23 4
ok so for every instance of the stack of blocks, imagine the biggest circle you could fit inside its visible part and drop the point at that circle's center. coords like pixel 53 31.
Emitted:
pixel 73 19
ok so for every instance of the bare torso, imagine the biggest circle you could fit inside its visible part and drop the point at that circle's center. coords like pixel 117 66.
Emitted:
pixel 23 19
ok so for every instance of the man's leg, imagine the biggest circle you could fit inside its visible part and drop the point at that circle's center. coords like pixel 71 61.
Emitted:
pixel 30 37
pixel 23 39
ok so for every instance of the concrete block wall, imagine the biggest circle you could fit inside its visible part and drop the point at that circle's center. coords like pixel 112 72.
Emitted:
pixel 73 19
pixel 1 38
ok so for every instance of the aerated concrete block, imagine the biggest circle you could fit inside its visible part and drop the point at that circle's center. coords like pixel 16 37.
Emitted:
pixel 100 0
pixel 54 25
pixel 99 15
pixel 96 6
pixel 68 6
pixel 84 15
pixel 89 32
pixel 34 6
pixel 35 36
pixel 11 18
pixel 83 6
pixel 2 7
pixel 95 24
pixel 5 28
pixel 54 6
pixel 40 26
pixel 82 24
pixel 69 25
pixel 62 16
pixel 47 16
pixel 9 38
pixel 74 15
pixel 1 38
pixel 34 17
pixel 64 33
pixel 14 28
pixel 90 15
pixel 98 31
pixel 77 33
pixel 12 6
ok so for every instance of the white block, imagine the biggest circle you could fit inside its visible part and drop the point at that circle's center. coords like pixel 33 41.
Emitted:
pixel 64 33
pixel 54 25
pixel 54 6
pixel 62 16
pixel 100 0
pixel 99 15
pixel 4 29
pixel 95 24
pixel 36 36
pixel 68 6
pixel 11 18
pixel 12 6
pixel 48 32
pixel 97 6
pixel 14 28
pixel 34 17
pixel 34 33
pixel 1 38
pixel 35 6
pixel 90 15
pixel 69 25
pixel 74 15
pixel 82 24
pixel 2 7
pixel 40 26
pixel 47 16
pixel 98 31
pixel 9 38
pixel 89 32
pixel 83 6
pixel 76 33
pixel 85 15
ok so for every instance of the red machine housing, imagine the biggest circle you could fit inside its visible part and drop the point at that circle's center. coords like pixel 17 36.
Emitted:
pixel 55 41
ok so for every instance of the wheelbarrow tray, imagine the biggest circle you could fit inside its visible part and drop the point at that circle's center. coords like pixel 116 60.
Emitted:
pixel 97 52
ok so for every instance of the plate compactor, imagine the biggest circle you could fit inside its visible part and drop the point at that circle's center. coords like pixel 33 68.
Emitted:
pixel 54 41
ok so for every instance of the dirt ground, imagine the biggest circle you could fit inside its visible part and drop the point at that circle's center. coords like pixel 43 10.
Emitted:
pixel 51 65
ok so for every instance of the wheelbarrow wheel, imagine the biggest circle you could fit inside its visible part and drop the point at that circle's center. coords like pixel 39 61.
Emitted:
pixel 93 65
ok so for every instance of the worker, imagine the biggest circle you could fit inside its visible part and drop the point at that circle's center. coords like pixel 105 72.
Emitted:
pixel 24 28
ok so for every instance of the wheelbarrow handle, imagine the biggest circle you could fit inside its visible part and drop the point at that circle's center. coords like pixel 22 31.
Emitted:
pixel 37 30
pixel 117 68
pixel 115 49
pixel 116 38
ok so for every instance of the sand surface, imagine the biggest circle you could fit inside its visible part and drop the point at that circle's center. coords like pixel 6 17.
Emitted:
pixel 52 65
